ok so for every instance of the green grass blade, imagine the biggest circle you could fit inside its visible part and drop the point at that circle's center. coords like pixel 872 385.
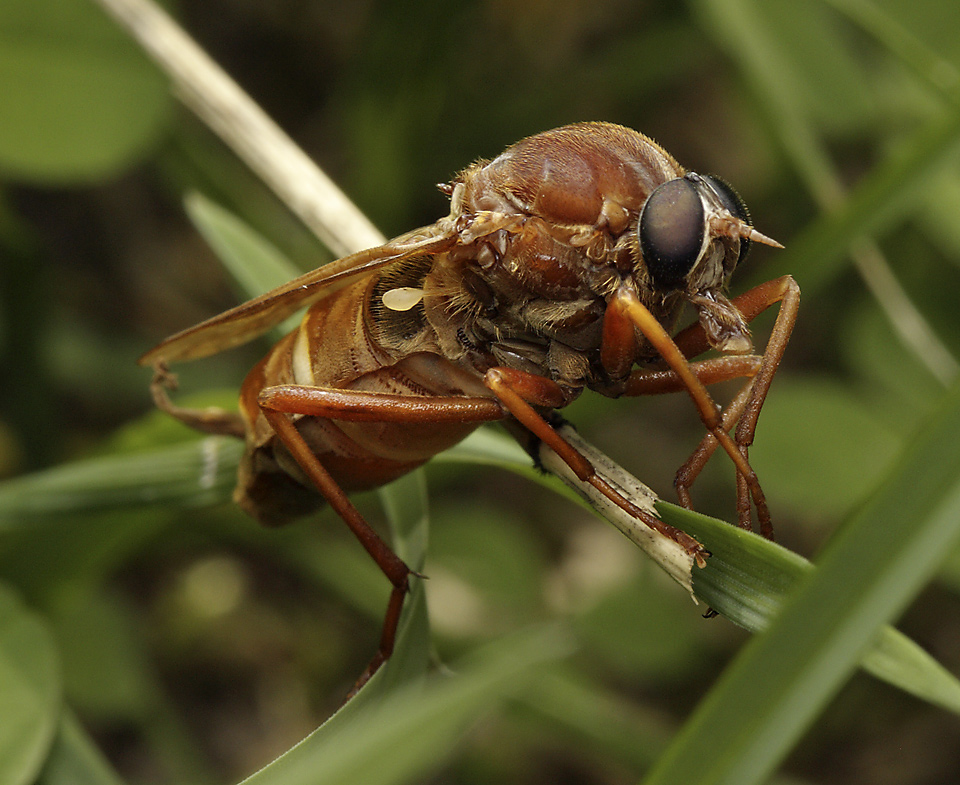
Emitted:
pixel 75 759
pixel 193 474
pixel 747 580
pixel 255 264
pixel 868 573
pixel 30 691
pixel 413 731
pixel 899 661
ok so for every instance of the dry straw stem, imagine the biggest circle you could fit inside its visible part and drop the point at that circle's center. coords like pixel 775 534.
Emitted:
pixel 230 113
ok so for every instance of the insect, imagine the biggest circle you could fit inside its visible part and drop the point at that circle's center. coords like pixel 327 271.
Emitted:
pixel 563 265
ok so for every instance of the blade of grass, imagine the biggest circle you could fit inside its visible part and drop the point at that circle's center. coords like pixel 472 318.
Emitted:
pixel 75 759
pixel 30 691
pixel 748 578
pixel 870 570
pixel 255 264
pixel 414 730
pixel 193 474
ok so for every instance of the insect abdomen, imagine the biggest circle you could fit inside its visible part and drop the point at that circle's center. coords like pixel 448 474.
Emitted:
pixel 333 349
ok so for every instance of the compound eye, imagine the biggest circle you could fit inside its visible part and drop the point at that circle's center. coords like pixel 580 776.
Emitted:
pixel 732 201
pixel 671 230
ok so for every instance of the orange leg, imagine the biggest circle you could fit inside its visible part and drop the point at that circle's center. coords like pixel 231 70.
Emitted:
pixel 520 392
pixel 745 408
pixel 277 403
pixel 786 292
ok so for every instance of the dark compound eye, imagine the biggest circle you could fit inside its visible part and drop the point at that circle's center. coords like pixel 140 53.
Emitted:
pixel 671 229
pixel 732 201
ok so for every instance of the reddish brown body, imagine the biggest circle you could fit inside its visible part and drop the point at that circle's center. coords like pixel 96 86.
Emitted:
pixel 338 346
pixel 563 265
pixel 530 295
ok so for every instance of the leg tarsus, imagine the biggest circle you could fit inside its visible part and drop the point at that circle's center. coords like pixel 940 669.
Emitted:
pixel 212 420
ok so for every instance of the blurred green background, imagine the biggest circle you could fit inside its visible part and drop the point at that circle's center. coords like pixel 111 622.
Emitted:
pixel 194 646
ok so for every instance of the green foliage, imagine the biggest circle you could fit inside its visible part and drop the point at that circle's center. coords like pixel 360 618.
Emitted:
pixel 80 102
pixel 145 622
pixel 30 690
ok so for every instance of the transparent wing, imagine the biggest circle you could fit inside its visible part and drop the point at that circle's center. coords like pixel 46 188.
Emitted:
pixel 254 317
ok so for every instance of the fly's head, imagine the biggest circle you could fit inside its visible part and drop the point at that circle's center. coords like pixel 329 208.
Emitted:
pixel 692 233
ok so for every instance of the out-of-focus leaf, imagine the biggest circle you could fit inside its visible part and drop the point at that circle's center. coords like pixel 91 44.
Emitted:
pixel 414 730
pixel 645 627
pixel 828 79
pixel 931 21
pixel 893 189
pixel 942 205
pixel 104 667
pixel 254 263
pixel 491 558
pixel 75 760
pixel 195 473
pixel 79 100
pixel 30 691
pixel 819 447
pixel 896 385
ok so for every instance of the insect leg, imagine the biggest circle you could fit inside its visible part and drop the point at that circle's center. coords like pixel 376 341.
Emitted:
pixel 389 563
pixel 699 458
pixel 782 290
pixel 693 341
pixel 786 292
pixel 362 405
pixel 520 392
pixel 749 401
pixel 712 371
pixel 277 403
pixel 212 419
pixel 626 304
